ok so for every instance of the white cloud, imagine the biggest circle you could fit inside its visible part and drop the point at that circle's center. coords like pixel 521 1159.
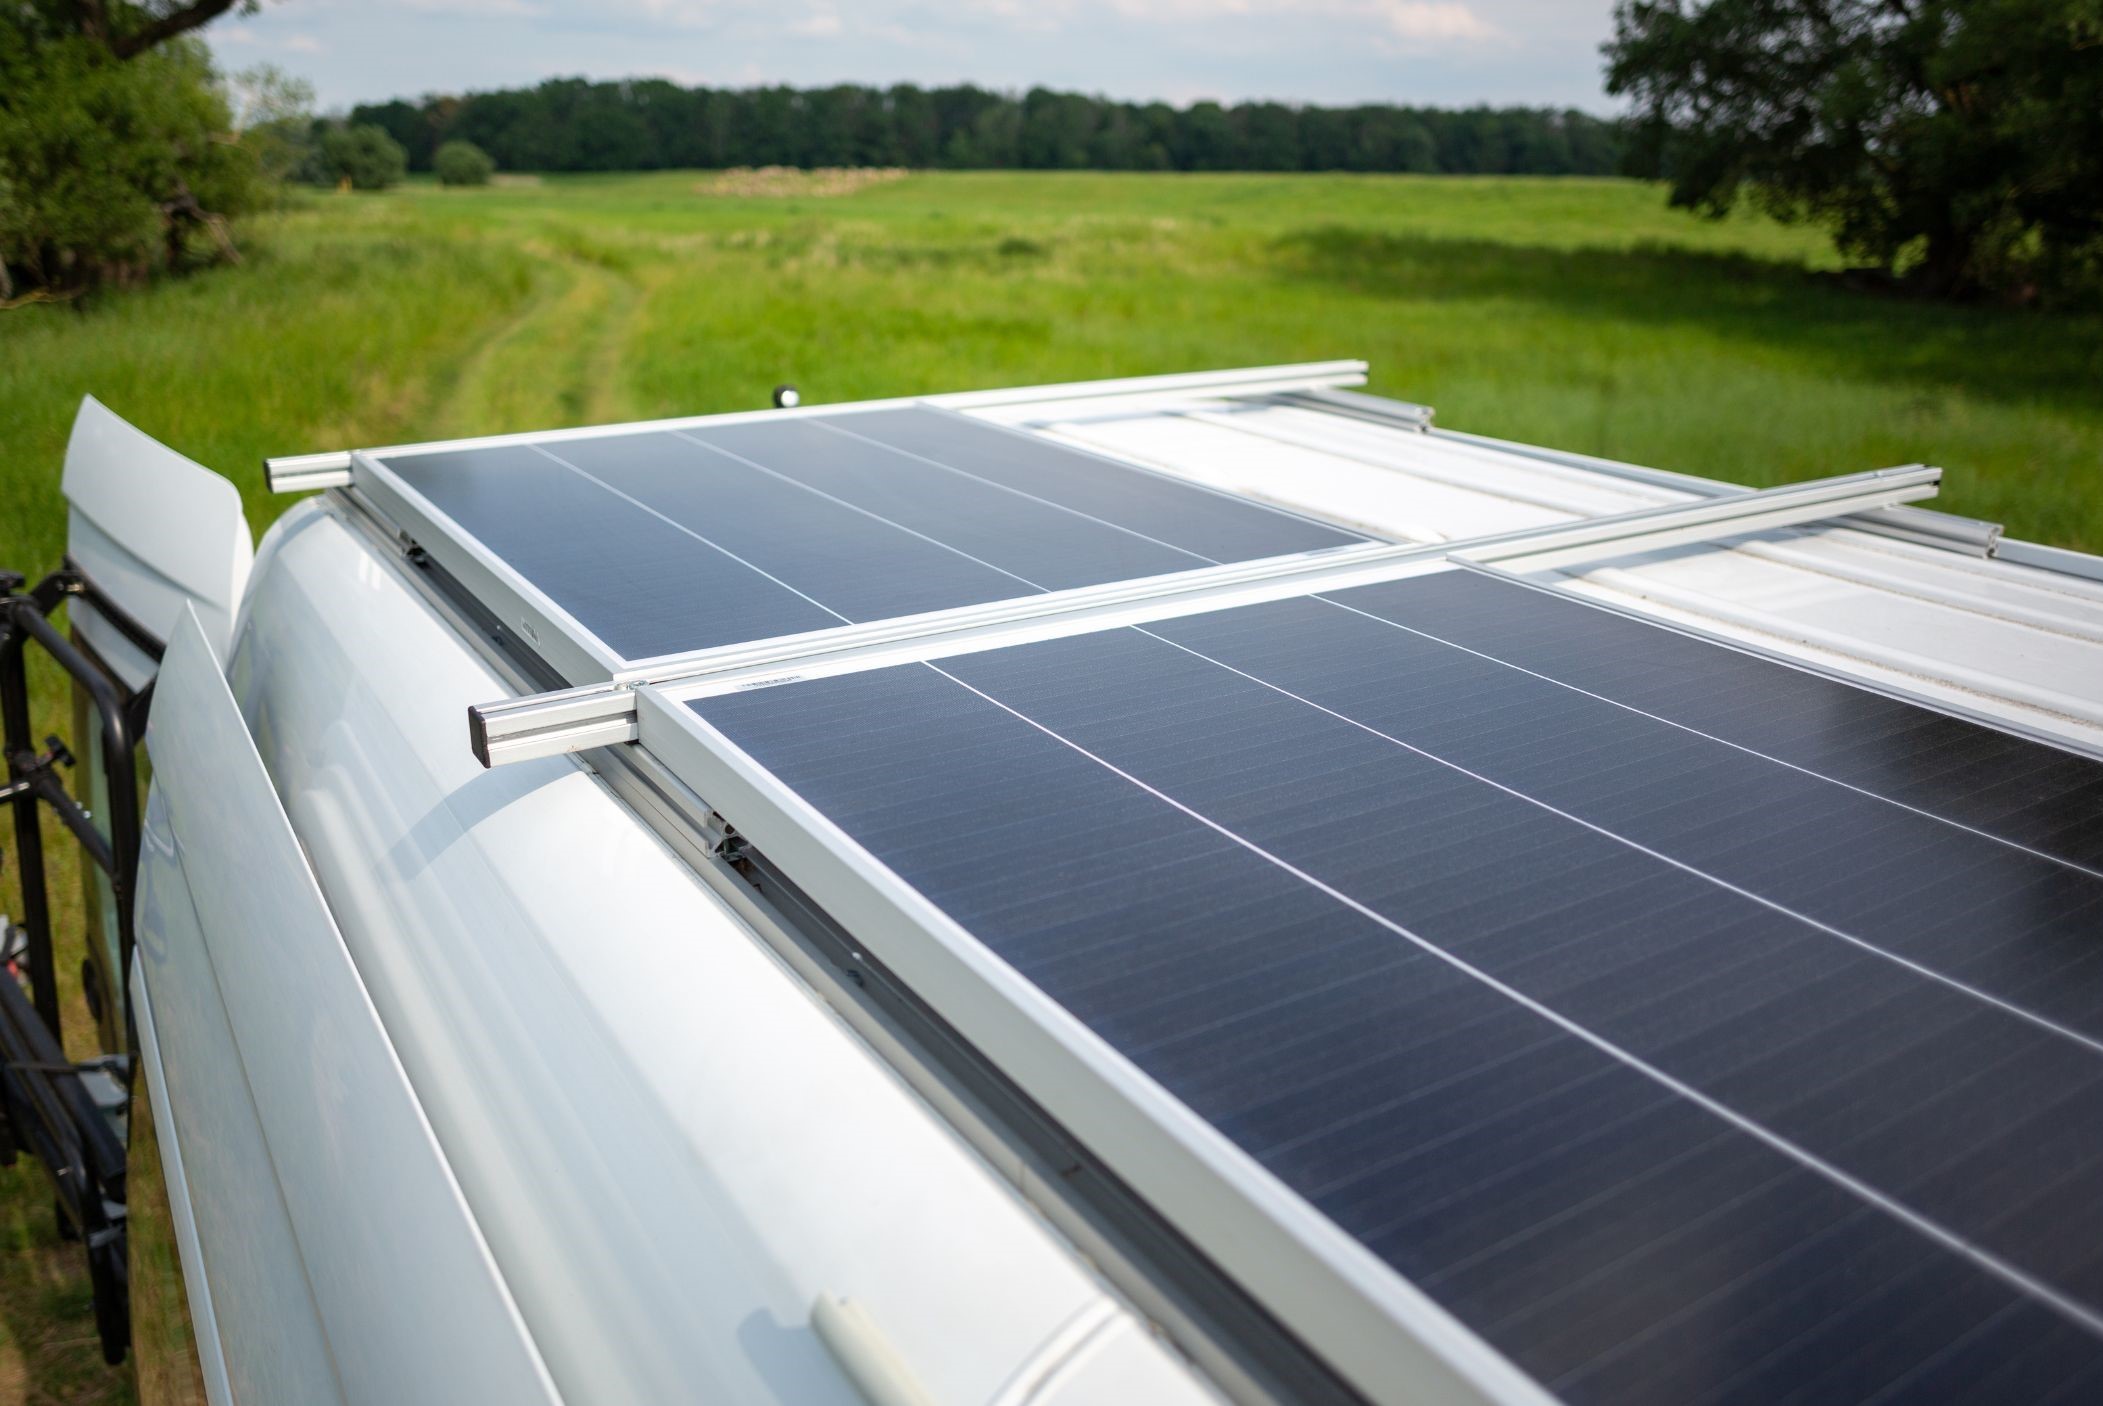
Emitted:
pixel 475 7
pixel 1418 21
pixel 824 24
pixel 1434 20
pixel 288 43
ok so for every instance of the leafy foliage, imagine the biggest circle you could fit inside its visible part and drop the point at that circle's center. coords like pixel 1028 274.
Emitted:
pixel 107 168
pixel 361 154
pixel 461 163
pixel 570 124
pixel 114 142
pixel 273 112
pixel 1958 142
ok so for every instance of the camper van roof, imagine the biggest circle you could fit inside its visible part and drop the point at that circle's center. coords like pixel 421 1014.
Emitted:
pixel 1489 902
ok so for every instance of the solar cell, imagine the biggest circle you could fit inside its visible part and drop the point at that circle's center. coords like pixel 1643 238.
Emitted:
pixel 1216 526
pixel 664 542
pixel 637 582
pixel 1683 1049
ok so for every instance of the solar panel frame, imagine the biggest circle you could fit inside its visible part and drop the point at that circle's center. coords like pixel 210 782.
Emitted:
pixel 1389 1338
pixel 577 654
pixel 1206 1186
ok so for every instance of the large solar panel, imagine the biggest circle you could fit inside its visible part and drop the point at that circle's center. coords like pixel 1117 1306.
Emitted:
pixel 669 541
pixel 1688 1026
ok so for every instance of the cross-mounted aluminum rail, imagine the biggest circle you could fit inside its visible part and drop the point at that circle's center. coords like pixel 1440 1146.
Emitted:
pixel 603 715
pixel 297 473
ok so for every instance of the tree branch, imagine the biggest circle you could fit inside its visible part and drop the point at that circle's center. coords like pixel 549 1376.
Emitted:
pixel 94 20
pixel 168 26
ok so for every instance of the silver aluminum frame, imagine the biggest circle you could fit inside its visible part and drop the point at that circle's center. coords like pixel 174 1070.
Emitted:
pixel 1972 536
pixel 1383 1334
pixel 557 637
pixel 603 713
pixel 293 473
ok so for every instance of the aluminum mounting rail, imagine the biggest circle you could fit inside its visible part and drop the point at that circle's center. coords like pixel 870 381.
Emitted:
pixel 600 715
pixel 1971 536
pixel 296 473
pixel 1374 409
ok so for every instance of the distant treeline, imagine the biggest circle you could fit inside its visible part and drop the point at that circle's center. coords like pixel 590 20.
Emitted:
pixel 575 125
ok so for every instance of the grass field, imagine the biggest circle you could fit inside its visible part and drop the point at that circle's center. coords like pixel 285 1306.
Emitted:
pixel 1578 313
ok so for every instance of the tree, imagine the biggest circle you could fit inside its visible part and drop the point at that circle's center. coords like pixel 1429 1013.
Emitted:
pixel 363 155
pixel 1956 143
pixel 461 163
pixel 130 29
pixel 115 142
pixel 573 124
pixel 274 114
pixel 404 121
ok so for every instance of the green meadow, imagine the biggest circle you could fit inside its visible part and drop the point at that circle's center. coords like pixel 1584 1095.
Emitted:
pixel 1582 314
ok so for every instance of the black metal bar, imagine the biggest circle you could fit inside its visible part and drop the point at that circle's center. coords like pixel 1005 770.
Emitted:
pixel 17 738
pixel 118 741
pixel 45 1103
pixel 23 618
pixel 44 782
pixel 47 1106
pixel 79 583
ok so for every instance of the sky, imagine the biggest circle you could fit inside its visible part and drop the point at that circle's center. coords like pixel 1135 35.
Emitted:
pixel 1426 52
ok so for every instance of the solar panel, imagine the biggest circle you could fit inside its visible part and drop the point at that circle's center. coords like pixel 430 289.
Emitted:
pixel 1688 1026
pixel 670 541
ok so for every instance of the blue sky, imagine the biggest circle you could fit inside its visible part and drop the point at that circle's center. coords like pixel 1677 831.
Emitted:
pixel 1443 52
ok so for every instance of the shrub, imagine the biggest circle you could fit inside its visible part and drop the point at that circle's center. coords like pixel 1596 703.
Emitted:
pixel 364 155
pixel 461 163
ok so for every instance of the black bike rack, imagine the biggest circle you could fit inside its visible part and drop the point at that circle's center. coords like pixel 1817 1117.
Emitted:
pixel 48 1105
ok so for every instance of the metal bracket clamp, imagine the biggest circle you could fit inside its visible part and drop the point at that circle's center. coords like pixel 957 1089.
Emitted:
pixel 549 724
pixel 297 473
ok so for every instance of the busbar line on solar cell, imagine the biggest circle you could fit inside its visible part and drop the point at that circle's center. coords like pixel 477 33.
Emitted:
pixel 856 507
pixel 1490 573
pixel 670 522
pixel 1712 737
pixel 1128 465
pixel 2012 1274
pixel 1930 1363
pixel 1008 488
pixel 1804 1250
pixel 2042 1022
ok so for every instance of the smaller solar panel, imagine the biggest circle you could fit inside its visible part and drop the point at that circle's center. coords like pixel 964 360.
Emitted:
pixel 669 541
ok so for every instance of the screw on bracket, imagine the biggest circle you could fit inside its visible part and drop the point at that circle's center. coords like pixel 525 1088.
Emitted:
pixel 55 753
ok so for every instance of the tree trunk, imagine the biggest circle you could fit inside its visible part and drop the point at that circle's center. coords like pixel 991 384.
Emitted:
pixel 1946 270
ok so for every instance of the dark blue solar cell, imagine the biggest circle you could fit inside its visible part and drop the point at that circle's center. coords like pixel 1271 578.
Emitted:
pixel 1037 541
pixel 640 584
pixel 1502 979
pixel 1997 781
pixel 661 542
pixel 1217 526
pixel 850 562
